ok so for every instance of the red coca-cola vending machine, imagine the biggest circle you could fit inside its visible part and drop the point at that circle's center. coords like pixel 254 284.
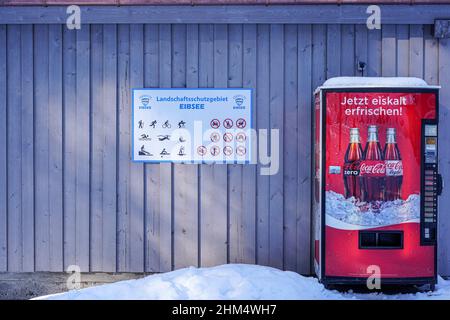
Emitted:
pixel 376 181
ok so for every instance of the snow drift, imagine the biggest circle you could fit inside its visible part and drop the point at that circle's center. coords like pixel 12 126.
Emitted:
pixel 232 281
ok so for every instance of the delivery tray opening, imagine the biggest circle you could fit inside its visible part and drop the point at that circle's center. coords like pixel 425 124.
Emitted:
pixel 381 239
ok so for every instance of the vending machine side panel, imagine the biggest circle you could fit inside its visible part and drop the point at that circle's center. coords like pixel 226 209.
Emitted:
pixel 317 187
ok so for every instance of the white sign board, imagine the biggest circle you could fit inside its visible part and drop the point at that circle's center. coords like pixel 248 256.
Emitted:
pixel 191 125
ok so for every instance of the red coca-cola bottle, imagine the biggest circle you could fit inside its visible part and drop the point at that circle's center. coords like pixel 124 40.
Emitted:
pixel 352 159
pixel 394 167
pixel 372 169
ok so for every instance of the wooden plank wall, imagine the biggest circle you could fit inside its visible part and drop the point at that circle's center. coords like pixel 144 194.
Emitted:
pixel 69 193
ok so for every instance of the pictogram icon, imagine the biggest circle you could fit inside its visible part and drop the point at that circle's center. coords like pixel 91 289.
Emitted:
pixel 201 150
pixel 240 151
pixel 215 123
pixel 215 150
pixel 228 137
pixel 241 123
pixel 241 137
pixel 228 123
pixel 215 136
pixel 227 150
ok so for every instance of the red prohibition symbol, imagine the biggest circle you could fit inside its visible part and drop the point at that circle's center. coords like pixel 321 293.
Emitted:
pixel 241 137
pixel 227 150
pixel 215 150
pixel 201 150
pixel 241 150
pixel 215 136
pixel 241 123
pixel 215 123
pixel 228 137
pixel 228 123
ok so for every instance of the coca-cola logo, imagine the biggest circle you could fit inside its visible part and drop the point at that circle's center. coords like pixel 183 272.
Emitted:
pixel 374 168
pixel 394 168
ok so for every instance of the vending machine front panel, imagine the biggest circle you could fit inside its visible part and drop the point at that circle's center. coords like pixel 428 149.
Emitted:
pixel 380 182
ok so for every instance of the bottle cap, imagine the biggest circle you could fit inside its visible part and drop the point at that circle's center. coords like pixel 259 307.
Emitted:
pixel 354 131
pixel 390 131
pixel 373 129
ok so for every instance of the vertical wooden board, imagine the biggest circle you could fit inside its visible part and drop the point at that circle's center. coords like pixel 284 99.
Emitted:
pixel 109 153
pixel 55 144
pixel 374 48
pixel 69 152
pixel 214 218
pixel 262 123
pixel 14 135
pixel 96 205
pixel 444 155
pixel 319 58
pixel 166 169
pixel 3 153
pixel 348 62
pixel 416 52
pixel 290 146
pixel 304 149
pixel 402 50
pixel 41 71
pixel 235 178
pixel 333 49
pixel 136 187
pixel 27 149
pixel 276 112
pixel 206 80
pixel 123 181
pixel 249 76
pixel 82 147
pixel 431 56
pixel 388 54
pixel 185 74
pixel 361 54
pixel 152 173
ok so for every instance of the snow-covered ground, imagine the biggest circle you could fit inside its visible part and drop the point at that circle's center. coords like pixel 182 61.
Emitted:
pixel 233 281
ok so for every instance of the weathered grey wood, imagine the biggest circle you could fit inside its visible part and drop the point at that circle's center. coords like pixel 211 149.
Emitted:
pixel 152 174
pixel 157 217
pixel 3 153
pixel 431 57
pixel 262 123
pixel 334 49
pixel 166 169
pixel 303 241
pixel 123 222
pixel 402 50
pixel 109 159
pixel 214 220
pixel 348 62
pixel 14 135
pixel 276 111
pixel 248 229
pixel 82 148
pixel 290 144
pixel 444 155
pixel 28 149
pixel 55 148
pixel 185 74
pixel 374 48
pixel 235 196
pixel 305 14
pixel 42 219
pixel 361 50
pixel 388 57
pixel 96 203
pixel 416 51
pixel 136 186
pixel 206 80
pixel 69 105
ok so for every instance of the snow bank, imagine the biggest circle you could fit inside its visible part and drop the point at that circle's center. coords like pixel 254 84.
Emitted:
pixel 232 281
pixel 353 212
pixel 407 82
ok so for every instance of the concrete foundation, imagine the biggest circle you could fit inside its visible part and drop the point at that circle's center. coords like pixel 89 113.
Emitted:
pixel 17 286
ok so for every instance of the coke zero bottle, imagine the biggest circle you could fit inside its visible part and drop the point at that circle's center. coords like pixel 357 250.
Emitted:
pixel 352 159
pixel 372 169
pixel 394 167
